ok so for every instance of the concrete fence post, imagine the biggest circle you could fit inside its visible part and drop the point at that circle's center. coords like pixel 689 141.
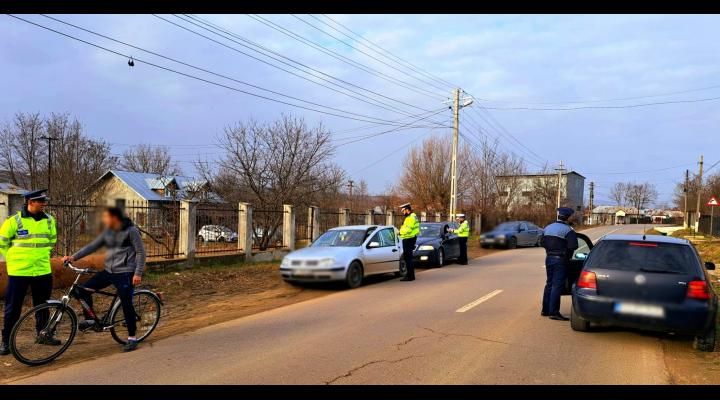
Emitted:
pixel 369 217
pixel 288 230
pixel 438 217
pixel 187 231
pixel 477 225
pixel 344 217
pixel 245 232
pixel 390 217
pixel 423 216
pixel 314 222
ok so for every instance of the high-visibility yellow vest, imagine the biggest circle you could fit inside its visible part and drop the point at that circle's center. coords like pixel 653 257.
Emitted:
pixel 463 230
pixel 26 244
pixel 410 227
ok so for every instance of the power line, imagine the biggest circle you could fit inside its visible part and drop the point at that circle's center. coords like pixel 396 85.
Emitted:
pixel 342 58
pixel 387 131
pixel 605 107
pixel 639 172
pixel 365 53
pixel 385 157
pixel 400 60
pixel 364 119
pixel 265 50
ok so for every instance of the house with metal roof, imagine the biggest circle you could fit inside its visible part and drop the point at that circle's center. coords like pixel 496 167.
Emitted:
pixel 11 200
pixel 120 188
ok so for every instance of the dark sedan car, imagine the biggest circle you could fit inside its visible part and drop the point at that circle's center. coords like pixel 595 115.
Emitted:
pixel 512 234
pixel 435 245
pixel 647 282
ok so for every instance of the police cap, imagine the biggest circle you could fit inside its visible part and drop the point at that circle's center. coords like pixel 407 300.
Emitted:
pixel 38 195
pixel 565 212
pixel 404 206
pixel 460 216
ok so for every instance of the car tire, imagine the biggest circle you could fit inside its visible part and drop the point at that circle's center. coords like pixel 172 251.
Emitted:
pixel 440 258
pixel 354 276
pixel 200 238
pixel 707 341
pixel 403 269
pixel 537 242
pixel 577 323
pixel 512 243
pixel 221 239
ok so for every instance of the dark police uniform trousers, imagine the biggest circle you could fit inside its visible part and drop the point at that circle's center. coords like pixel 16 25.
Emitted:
pixel 559 241
pixel 17 287
pixel 408 246
pixel 463 250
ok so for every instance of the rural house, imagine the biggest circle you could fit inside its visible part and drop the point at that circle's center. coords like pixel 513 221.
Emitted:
pixel 525 189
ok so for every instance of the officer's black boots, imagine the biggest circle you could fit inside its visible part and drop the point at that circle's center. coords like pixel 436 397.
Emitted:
pixel 559 317
pixel 4 349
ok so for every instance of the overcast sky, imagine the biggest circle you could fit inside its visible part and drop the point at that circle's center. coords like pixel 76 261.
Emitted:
pixel 504 61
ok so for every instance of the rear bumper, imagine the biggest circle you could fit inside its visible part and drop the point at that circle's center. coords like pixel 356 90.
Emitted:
pixel 690 317
pixel 315 275
pixel 493 242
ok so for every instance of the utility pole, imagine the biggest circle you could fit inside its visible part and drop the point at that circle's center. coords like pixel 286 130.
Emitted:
pixel 685 192
pixel 350 187
pixel 466 101
pixel 49 140
pixel 591 203
pixel 699 193
pixel 560 171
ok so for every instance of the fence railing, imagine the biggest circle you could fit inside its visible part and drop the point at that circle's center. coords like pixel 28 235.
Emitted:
pixel 267 229
pixel 216 228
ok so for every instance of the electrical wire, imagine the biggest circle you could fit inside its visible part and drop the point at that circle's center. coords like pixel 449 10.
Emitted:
pixel 605 107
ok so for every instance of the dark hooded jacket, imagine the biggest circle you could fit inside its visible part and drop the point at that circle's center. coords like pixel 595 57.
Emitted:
pixel 125 250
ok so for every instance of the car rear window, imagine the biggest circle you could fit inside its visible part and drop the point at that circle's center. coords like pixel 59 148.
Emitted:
pixel 642 256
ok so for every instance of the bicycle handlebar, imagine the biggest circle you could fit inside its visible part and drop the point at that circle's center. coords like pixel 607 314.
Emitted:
pixel 80 271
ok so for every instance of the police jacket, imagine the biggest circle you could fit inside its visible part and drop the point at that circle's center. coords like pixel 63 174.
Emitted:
pixel 410 227
pixel 26 241
pixel 559 240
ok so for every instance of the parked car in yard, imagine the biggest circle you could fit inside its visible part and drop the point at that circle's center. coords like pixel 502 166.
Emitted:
pixel 435 244
pixel 347 254
pixel 649 282
pixel 216 233
pixel 512 234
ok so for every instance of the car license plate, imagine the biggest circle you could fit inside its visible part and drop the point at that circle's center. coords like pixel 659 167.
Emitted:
pixel 643 310
pixel 489 240
pixel 302 272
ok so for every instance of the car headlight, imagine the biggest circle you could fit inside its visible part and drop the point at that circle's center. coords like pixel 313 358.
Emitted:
pixel 426 247
pixel 285 262
pixel 326 263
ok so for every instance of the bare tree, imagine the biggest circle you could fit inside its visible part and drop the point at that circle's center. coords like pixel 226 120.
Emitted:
pixel 149 159
pixel 640 195
pixel 619 193
pixel 23 150
pixel 271 164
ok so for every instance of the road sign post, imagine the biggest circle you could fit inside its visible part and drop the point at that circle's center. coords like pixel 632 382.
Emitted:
pixel 712 203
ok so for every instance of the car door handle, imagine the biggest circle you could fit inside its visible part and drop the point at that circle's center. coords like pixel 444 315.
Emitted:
pixel 395 250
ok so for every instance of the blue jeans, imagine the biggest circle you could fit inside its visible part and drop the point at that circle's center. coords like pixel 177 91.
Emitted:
pixel 555 270
pixel 123 285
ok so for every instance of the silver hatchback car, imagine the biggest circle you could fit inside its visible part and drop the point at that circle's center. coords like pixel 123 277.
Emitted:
pixel 348 254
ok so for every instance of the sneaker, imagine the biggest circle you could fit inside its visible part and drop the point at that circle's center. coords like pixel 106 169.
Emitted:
pixel 131 345
pixel 86 324
pixel 48 340
pixel 4 349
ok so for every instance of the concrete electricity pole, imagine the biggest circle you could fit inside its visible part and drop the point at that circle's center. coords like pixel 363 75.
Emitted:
pixel 457 104
pixel 49 176
pixel 560 171
pixel 699 193
pixel 685 190
pixel 591 204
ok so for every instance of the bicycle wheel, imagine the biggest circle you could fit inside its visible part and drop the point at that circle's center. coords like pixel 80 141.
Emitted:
pixel 147 312
pixel 29 338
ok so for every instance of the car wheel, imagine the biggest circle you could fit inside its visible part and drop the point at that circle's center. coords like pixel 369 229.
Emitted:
pixel 537 242
pixel 577 323
pixel 707 341
pixel 354 275
pixel 403 269
pixel 440 258
pixel 200 238
pixel 512 243
pixel 221 239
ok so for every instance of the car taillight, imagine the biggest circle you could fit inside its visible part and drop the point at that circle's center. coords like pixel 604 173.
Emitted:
pixel 587 280
pixel 698 290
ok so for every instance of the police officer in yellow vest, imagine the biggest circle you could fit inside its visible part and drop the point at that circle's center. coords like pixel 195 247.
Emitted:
pixel 26 240
pixel 409 231
pixel 463 232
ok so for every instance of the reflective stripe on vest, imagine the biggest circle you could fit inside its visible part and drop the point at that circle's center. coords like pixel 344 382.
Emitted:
pixel 35 245
pixel 18 219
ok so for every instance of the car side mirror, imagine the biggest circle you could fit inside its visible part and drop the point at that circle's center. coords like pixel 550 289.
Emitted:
pixel 373 245
pixel 521 229
pixel 709 266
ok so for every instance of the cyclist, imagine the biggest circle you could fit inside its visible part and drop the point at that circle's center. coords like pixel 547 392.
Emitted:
pixel 124 265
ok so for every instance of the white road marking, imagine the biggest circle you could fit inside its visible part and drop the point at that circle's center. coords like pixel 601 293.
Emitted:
pixel 480 300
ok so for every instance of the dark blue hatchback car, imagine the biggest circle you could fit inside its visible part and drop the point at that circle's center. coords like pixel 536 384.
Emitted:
pixel 646 282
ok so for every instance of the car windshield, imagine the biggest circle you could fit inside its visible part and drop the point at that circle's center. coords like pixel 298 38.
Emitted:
pixel 430 230
pixel 341 238
pixel 642 256
pixel 508 226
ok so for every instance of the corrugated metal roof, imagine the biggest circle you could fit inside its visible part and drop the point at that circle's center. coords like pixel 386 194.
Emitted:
pixel 9 188
pixel 144 183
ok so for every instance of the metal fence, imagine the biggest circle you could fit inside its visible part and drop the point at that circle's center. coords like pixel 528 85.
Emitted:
pixel 704 226
pixel 216 228
pixel 328 219
pixel 267 229
pixel 303 224
pixel 357 218
pixel 78 224
pixel 379 219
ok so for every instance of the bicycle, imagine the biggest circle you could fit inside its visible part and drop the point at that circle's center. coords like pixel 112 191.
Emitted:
pixel 30 338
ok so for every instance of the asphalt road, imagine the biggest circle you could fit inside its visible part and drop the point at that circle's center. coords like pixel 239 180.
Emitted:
pixel 459 324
